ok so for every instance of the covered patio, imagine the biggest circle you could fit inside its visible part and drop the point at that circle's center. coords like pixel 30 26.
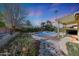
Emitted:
pixel 70 23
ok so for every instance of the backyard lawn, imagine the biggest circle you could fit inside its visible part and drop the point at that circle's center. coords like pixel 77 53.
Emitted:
pixel 73 49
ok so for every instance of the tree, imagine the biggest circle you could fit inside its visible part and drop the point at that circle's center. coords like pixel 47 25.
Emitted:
pixel 28 23
pixel 13 14
pixel 1 16
pixel 48 25
pixel 43 25
pixel 2 24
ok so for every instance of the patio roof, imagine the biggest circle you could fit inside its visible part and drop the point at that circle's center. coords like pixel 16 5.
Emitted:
pixel 69 19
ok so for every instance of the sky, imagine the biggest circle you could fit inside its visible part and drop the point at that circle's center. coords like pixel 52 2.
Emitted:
pixel 40 12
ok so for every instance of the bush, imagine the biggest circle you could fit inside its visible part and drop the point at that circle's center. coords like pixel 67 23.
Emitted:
pixel 23 45
pixel 2 24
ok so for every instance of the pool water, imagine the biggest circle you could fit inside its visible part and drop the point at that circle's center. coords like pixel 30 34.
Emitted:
pixel 46 33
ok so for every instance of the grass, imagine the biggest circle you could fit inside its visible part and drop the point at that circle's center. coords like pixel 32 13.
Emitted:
pixel 73 49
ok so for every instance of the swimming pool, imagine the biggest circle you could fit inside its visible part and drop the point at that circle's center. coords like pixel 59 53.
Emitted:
pixel 45 33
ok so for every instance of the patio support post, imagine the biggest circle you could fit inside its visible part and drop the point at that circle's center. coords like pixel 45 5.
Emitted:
pixel 77 21
pixel 64 29
pixel 58 33
pixel 78 28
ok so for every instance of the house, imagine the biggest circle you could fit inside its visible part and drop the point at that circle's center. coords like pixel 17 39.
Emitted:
pixel 70 24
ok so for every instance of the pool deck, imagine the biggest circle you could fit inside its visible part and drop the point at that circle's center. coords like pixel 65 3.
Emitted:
pixel 60 44
pixel 52 39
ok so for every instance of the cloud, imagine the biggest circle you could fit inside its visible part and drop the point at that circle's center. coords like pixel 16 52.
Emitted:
pixel 55 4
pixel 33 12
pixel 36 22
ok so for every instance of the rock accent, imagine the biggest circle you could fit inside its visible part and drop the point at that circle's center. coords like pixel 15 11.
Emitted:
pixel 48 49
